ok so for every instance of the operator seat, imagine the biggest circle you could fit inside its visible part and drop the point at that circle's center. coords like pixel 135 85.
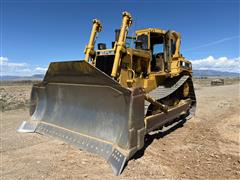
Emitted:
pixel 160 61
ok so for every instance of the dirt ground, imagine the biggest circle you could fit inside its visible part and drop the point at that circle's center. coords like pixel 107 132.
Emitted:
pixel 205 147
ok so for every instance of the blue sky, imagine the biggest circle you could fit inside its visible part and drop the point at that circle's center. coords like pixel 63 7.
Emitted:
pixel 35 32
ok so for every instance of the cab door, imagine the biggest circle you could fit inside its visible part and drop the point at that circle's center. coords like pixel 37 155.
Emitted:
pixel 169 50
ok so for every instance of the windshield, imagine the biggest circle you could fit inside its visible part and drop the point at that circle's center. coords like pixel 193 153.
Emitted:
pixel 142 42
pixel 157 48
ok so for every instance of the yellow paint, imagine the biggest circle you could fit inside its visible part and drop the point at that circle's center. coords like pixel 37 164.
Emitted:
pixel 132 67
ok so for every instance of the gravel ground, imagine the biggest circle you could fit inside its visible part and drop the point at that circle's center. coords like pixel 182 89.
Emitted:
pixel 14 97
pixel 205 147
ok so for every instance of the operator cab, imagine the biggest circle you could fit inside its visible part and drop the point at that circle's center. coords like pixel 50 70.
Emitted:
pixel 162 45
pixel 159 44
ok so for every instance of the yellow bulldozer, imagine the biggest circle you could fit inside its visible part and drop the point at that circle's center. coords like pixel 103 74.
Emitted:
pixel 108 102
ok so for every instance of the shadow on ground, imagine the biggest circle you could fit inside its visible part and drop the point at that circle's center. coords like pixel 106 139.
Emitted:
pixel 149 138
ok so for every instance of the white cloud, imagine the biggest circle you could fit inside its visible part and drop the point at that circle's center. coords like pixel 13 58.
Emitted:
pixel 219 64
pixel 3 59
pixel 40 69
pixel 8 67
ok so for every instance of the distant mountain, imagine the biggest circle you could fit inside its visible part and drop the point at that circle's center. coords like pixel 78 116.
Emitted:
pixel 214 73
pixel 41 76
pixel 21 78
pixel 195 73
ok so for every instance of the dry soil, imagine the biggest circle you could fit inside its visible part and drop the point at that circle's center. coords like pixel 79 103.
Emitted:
pixel 205 147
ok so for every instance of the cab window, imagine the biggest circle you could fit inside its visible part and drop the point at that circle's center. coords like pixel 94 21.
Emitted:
pixel 157 48
pixel 142 42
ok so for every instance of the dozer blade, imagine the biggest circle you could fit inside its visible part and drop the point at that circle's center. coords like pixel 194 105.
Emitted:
pixel 81 105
